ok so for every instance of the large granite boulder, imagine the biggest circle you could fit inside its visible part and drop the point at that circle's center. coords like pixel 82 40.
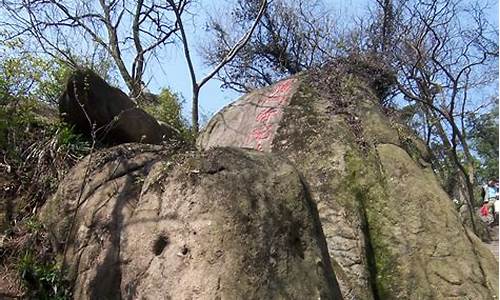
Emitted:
pixel 140 222
pixel 90 104
pixel 391 230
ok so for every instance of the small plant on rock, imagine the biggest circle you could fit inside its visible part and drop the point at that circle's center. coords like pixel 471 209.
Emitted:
pixel 43 280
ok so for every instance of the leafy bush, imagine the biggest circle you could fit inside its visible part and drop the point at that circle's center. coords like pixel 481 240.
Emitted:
pixel 43 280
pixel 69 141
pixel 15 121
pixel 28 256
pixel 167 108
pixel 37 150
pixel 29 75
pixel 484 140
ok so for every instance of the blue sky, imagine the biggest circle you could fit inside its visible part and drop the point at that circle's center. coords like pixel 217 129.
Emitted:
pixel 172 70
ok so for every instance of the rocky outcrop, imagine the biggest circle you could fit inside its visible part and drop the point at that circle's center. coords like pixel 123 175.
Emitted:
pixel 89 103
pixel 391 230
pixel 225 224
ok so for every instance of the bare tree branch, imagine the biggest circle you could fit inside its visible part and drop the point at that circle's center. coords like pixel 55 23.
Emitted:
pixel 196 86
pixel 54 23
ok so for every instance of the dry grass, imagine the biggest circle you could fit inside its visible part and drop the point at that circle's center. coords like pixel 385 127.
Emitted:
pixel 37 154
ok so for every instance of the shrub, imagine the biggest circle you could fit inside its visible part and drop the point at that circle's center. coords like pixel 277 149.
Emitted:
pixel 37 150
pixel 168 109
pixel 43 280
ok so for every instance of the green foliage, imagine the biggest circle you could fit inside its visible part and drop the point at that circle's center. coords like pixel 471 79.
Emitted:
pixel 14 120
pixel 52 84
pixel 33 225
pixel 168 109
pixel 484 137
pixel 24 75
pixel 28 75
pixel 40 274
pixel 38 149
pixel 30 86
pixel 30 122
pixel 70 141
pixel 43 280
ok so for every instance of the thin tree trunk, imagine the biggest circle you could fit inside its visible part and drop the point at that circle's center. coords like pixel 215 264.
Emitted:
pixel 455 163
pixel 194 112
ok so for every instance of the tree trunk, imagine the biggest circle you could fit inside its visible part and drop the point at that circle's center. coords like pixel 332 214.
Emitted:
pixel 457 165
pixel 194 112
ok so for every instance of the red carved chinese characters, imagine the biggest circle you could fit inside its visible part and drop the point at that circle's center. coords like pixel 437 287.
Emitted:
pixel 266 114
pixel 278 98
pixel 280 93
pixel 261 133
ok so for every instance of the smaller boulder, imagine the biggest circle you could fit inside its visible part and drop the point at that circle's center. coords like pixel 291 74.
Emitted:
pixel 90 103
pixel 136 125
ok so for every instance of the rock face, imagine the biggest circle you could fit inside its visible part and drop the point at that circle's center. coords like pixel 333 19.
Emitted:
pixel 225 224
pixel 88 99
pixel 391 230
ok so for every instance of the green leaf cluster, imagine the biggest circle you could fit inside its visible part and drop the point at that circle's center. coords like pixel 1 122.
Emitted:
pixel 167 108
pixel 44 281
pixel 484 137
pixel 24 75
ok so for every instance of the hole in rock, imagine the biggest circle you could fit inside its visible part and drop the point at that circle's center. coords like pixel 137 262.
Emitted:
pixel 160 244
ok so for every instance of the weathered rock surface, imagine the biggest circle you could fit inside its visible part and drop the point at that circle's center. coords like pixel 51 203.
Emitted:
pixel 88 100
pixel 391 230
pixel 225 224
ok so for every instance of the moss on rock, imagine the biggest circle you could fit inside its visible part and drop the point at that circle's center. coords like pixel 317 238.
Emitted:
pixel 390 228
